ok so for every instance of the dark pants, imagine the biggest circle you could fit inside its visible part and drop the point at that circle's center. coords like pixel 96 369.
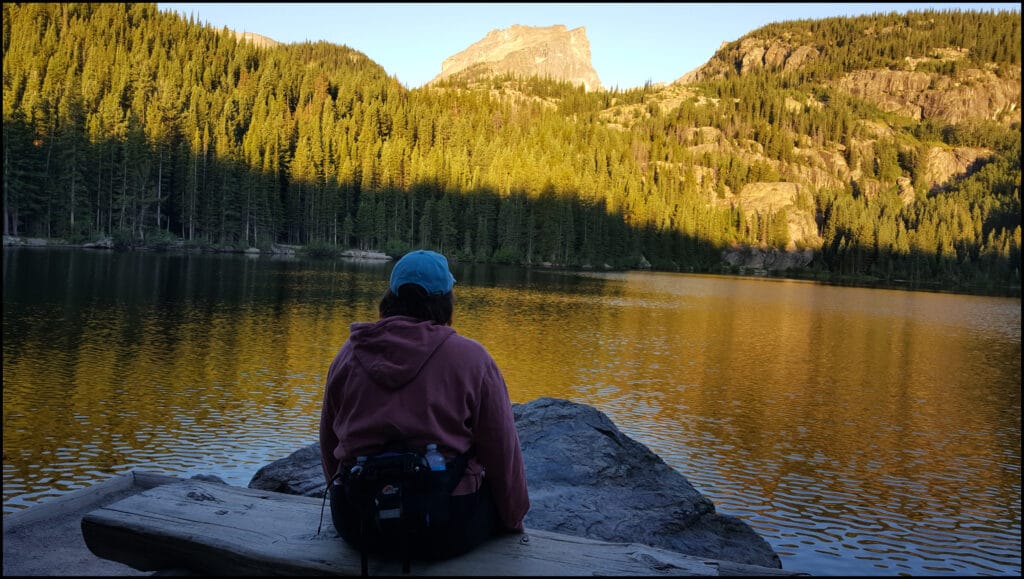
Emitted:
pixel 473 519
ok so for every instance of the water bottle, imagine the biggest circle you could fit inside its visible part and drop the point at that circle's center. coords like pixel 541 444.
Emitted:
pixel 358 468
pixel 434 458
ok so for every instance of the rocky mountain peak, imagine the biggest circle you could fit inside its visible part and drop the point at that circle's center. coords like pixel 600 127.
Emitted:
pixel 550 51
pixel 257 39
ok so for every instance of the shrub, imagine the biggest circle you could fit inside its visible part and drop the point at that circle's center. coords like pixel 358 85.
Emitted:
pixel 160 240
pixel 123 240
pixel 321 250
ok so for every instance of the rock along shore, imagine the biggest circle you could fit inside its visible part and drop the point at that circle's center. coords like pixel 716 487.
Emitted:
pixel 587 478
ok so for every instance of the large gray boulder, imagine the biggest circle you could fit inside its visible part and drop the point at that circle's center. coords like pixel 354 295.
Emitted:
pixel 587 478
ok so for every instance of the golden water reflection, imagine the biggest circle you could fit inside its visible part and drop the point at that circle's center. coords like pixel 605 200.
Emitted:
pixel 875 412
pixel 861 431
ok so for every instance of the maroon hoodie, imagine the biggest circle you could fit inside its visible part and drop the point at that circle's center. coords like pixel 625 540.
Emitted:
pixel 401 379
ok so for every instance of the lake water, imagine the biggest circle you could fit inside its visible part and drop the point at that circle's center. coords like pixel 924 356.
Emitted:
pixel 860 431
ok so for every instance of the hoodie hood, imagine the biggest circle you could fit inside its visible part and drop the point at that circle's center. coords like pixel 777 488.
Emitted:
pixel 393 350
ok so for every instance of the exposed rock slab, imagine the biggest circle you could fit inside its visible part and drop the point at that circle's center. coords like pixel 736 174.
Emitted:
pixel 973 94
pixel 525 51
pixel 588 479
pixel 762 260
pixel 766 198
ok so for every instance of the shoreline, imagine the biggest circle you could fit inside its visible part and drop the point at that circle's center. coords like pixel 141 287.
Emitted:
pixel 280 250
pixel 46 539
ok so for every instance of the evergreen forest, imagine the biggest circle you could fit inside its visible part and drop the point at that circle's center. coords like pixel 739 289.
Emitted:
pixel 122 121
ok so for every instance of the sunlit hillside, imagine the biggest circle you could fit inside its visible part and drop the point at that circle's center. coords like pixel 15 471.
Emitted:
pixel 882 147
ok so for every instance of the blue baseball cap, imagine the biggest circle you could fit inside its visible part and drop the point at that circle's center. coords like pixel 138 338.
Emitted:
pixel 427 269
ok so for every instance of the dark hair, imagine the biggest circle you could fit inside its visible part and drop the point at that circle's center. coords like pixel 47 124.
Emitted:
pixel 412 300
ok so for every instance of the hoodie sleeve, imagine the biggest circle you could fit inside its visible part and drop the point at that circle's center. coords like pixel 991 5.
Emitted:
pixel 498 450
pixel 329 438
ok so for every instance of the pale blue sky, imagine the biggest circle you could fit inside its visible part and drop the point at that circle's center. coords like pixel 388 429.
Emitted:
pixel 630 44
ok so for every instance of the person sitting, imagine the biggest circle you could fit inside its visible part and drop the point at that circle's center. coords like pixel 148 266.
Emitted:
pixel 408 380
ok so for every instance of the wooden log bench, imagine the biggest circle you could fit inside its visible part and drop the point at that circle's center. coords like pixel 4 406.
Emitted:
pixel 210 528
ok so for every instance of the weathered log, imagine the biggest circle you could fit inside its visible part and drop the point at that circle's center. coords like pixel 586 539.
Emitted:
pixel 46 539
pixel 211 528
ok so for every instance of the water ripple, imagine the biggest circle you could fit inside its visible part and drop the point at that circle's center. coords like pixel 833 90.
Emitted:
pixel 860 432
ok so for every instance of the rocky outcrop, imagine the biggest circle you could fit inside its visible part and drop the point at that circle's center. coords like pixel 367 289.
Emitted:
pixel 588 479
pixel 969 96
pixel 550 51
pixel 937 166
pixel 16 241
pixel 762 260
pixel 299 473
pixel 940 164
pixel 774 55
pixel 750 54
pixel 363 255
pixel 256 39
pixel 767 198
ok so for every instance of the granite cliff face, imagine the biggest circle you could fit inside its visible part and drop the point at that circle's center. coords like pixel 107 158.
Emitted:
pixel 527 51
pixel 972 94
pixel 914 91
pixel 256 39
pixel 940 85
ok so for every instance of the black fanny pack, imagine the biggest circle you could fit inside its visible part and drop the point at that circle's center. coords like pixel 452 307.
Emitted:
pixel 389 503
